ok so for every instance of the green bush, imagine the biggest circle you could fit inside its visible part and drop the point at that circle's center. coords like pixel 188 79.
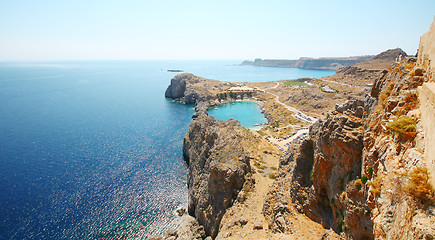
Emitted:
pixel 364 179
pixel 311 175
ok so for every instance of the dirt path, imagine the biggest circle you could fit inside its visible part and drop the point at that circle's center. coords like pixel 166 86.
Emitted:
pixel 246 220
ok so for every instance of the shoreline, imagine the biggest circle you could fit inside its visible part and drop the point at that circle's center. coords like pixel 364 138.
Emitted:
pixel 282 192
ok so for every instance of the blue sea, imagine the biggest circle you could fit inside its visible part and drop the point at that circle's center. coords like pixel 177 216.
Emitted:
pixel 93 150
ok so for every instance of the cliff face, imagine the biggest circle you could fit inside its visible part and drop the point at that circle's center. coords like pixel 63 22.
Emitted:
pixel 309 63
pixel 190 89
pixel 217 164
pixel 369 178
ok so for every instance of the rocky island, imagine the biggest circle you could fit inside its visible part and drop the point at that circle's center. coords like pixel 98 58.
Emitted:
pixel 364 169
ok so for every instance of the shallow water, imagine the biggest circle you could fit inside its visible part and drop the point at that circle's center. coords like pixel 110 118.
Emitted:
pixel 247 113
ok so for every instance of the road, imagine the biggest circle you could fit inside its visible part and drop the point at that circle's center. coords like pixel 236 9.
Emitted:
pixel 297 113
pixel 297 134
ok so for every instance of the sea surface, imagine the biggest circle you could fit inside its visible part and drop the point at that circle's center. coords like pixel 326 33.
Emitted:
pixel 93 150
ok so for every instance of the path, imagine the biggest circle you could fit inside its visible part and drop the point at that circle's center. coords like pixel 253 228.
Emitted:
pixel 283 143
pixel 342 84
pixel 297 113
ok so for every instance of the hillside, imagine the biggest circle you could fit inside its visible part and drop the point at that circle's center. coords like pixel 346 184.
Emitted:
pixel 364 171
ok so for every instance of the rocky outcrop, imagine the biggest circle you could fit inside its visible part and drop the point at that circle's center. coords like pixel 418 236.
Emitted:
pixel 318 172
pixel 178 86
pixel 190 89
pixel 201 109
pixel 188 230
pixel 393 156
pixel 362 171
pixel 181 89
pixel 217 164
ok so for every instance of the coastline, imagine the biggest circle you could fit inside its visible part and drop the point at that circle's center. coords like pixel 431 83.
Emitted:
pixel 317 188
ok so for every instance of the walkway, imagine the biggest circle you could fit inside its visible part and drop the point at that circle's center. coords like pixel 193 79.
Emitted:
pixel 297 113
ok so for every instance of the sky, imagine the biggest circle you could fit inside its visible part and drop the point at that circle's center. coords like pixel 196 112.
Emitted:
pixel 46 30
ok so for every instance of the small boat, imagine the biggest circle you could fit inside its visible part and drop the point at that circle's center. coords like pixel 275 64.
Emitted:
pixel 175 70
pixel 215 108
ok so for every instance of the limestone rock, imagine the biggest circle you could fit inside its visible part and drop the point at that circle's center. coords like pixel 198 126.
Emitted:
pixel 190 89
pixel 201 109
pixel 178 86
pixel 217 167
pixel 190 229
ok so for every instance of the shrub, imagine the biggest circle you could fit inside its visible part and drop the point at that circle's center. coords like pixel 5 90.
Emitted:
pixel 311 175
pixel 404 126
pixel 332 200
pixel 409 65
pixel 272 176
pixel 358 183
pixel 340 224
pixel 364 179
pixel 376 185
pixel 419 185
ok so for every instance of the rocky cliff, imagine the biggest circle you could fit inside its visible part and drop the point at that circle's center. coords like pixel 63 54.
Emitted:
pixel 218 165
pixel 190 89
pixel 309 63
pixel 362 171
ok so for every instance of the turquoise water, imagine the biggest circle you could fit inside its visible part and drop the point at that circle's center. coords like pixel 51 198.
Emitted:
pixel 93 150
pixel 247 113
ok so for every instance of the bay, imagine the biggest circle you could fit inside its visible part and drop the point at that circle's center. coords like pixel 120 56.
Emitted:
pixel 93 150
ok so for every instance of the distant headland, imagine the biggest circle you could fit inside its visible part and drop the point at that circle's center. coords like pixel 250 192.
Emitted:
pixel 331 63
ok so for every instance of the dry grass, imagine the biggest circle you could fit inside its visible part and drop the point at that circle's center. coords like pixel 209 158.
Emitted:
pixel 358 184
pixel 404 126
pixel 409 65
pixel 419 185
pixel 376 185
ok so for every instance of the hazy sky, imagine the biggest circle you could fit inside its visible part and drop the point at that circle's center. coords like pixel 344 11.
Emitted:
pixel 184 29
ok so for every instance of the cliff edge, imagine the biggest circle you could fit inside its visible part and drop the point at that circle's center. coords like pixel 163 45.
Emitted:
pixel 218 165
pixel 362 171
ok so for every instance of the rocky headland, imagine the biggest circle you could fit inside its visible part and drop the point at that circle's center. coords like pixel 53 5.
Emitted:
pixel 309 63
pixel 363 172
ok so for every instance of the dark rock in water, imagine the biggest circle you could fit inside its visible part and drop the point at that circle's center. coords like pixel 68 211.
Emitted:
pixel 181 211
pixel 217 169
